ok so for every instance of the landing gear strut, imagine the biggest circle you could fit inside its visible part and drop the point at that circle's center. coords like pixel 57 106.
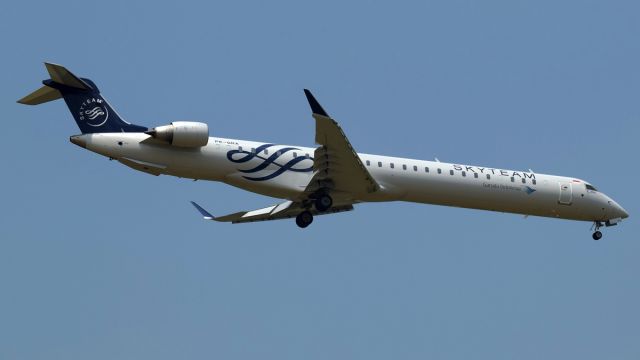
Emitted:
pixel 304 219
pixel 597 235
pixel 323 203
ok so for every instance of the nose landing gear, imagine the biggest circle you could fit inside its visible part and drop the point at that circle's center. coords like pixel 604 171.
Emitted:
pixel 597 235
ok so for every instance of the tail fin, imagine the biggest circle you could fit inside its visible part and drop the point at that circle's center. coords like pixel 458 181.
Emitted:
pixel 92 112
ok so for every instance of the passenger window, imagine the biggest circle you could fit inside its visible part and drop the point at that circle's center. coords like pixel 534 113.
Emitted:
pixel 391 164
pixel 464 174
pixel 415 168
pixel 488 177
pixel 253 150
pixel 475 175
pixel 266 151
pixel 368 163
pixel 533 181
pixel 307 156
pixel 524 181
pixel 278 152
pixel 426 169
pixel 439 171
pixel 450 172
pixel 240 148
pixel 379 163
pixel 512 179
pixel 295 154
pixel 404 167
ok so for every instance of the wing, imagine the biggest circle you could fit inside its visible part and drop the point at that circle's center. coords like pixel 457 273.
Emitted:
pixel 285 210
pixel 337 165
pixel 338 171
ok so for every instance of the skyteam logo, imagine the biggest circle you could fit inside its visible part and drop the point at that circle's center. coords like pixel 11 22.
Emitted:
pixel 94 112
pixel 529 190
pixel 243 156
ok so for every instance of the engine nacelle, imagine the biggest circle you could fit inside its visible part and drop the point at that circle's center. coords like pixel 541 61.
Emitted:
pixel 182 133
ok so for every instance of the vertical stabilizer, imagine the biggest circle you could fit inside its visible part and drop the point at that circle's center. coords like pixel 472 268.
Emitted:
pixel 92 112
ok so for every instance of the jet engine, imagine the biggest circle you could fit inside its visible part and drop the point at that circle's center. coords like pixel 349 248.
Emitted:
pixel 182 133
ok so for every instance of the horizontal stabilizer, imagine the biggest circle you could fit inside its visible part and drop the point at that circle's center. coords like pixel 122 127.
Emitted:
pixel 41 96
pixel 61 75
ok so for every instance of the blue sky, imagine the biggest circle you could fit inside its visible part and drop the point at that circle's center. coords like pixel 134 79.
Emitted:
pixel 99 261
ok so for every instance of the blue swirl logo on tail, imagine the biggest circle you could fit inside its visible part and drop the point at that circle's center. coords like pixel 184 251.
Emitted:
pixel 94 113
pixel 247 156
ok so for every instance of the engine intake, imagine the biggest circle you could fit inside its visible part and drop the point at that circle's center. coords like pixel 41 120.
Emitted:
pixel 182 133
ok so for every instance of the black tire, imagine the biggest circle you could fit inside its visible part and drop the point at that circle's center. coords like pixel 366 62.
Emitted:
pixel 304 219
pixel 597 235
pixel 300 223
pixel 323 203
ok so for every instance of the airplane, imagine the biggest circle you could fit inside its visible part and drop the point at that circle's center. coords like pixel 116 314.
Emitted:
pixel 314 181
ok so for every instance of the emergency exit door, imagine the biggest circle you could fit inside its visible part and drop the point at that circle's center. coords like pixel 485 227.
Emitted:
pixel 566 194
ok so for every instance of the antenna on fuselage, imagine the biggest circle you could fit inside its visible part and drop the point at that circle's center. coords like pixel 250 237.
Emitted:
pixel 437 160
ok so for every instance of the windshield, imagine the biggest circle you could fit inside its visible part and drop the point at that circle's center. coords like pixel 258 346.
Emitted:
pixel 590 187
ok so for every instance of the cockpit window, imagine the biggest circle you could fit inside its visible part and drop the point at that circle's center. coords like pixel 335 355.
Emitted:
pixel 590 187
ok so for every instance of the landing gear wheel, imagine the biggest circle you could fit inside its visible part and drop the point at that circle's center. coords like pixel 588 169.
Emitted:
pixel 304 219
pixel 323 203
pixel 597 235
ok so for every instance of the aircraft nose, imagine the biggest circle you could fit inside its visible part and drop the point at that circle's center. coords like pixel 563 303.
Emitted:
pixel 623 213
pixel 617 210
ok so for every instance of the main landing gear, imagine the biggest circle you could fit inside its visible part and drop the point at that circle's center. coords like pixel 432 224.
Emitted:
pixel 304 219
pixel 322 203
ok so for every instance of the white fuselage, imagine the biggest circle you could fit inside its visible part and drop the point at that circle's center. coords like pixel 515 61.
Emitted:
pixel 283 171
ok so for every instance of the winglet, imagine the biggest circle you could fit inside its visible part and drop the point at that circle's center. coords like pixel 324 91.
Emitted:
pixel 315 105
pixel 202 211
